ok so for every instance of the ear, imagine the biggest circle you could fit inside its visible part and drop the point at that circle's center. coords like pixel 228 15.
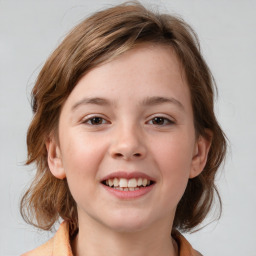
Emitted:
pixel 202 147
pixel 54 158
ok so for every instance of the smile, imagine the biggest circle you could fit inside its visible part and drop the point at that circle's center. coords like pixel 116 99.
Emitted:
pixel 124 184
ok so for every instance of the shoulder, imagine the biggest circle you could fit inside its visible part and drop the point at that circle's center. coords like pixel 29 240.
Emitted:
pixel 185 248
pixel 43 250
pixel 58 245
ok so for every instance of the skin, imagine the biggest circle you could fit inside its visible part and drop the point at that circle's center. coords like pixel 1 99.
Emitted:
pixel 133 133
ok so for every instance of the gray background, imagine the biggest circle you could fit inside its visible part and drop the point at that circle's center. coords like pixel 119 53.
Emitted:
pixel 29 32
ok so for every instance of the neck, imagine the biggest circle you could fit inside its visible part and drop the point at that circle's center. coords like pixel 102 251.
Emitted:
pixel 94 239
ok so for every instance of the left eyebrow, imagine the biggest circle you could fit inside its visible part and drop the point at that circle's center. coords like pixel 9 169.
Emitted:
pixel 151 101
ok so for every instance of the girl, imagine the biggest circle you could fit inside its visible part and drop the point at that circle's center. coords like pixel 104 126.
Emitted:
pixel 124 137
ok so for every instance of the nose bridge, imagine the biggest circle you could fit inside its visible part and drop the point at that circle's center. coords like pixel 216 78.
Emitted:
pixel 128 141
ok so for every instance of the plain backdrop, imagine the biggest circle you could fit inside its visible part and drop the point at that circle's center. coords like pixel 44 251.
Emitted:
pixel 31 30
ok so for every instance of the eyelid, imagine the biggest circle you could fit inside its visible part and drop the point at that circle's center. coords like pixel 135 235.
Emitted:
pixel 87 118
pixel 169 119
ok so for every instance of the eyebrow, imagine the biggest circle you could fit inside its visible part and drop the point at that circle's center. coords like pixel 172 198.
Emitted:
pixel 150 101
pixel 94 101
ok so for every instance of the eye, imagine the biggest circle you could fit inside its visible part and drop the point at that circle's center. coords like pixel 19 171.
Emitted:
pixel 161 121
pixel 95 120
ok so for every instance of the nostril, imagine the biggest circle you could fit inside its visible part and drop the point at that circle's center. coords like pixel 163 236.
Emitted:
pixel 120 155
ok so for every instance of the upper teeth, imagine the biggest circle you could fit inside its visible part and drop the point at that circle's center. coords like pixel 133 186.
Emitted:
pixel 127 183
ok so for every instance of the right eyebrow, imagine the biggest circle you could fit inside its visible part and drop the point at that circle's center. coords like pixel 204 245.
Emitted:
pixel 94 101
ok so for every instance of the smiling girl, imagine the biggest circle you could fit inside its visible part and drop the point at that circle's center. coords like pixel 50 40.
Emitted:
pixel 124 137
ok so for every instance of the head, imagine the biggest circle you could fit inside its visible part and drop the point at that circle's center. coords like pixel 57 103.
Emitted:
pixel 100 39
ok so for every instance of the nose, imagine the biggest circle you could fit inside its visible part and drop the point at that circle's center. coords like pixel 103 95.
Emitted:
pixel 128 144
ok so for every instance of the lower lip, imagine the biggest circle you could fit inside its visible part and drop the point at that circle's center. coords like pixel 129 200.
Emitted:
pixel 129 194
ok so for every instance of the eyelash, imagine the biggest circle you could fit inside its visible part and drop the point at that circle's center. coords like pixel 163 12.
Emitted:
pixel 95 118
pixel 164 121
pixel 101 121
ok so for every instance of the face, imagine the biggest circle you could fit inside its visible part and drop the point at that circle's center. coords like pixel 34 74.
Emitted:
pixel 127 142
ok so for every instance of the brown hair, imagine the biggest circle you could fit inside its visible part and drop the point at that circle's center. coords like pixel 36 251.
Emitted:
pixel 98 39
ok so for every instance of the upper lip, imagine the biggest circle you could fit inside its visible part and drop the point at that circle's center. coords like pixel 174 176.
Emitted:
pixel 127 175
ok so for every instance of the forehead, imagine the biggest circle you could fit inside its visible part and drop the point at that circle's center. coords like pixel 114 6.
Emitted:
pixel 144 71
pixel 153 56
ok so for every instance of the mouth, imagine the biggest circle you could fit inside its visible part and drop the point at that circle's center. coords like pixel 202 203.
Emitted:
pixel 124 184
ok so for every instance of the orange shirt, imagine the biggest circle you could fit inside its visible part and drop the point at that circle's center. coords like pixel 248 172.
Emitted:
pixel 59 245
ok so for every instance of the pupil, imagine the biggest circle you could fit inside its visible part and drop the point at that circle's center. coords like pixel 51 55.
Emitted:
pixel 96 120
pixel 158 120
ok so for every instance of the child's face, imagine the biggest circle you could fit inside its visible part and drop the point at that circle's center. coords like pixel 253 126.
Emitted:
pixel 130 118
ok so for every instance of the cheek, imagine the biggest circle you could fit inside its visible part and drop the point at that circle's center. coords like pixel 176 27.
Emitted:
pixel 175 171
pixel 175 154
pixel 81 157
pixel 78 149
pixel 174 161
pixel 81 164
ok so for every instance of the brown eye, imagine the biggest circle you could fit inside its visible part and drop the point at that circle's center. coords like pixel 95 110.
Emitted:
pixel 95 121
pixel 160 121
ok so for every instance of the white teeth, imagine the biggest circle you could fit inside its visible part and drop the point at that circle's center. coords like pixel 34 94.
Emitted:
pixel 116 182
pixel 144 182
pixel 110 182
pixel 126 189
pixel 123 183
pixel 131 184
